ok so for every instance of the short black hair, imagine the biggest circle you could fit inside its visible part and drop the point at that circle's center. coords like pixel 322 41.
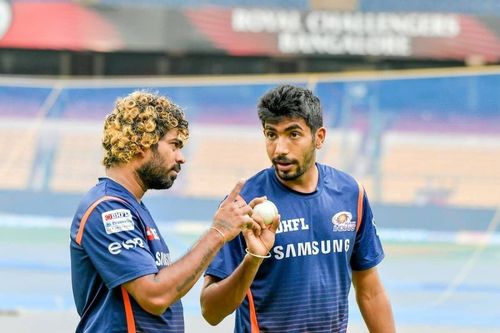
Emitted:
pixel 287 101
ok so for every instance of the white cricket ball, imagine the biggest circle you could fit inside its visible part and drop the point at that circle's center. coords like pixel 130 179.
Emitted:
pixel 267 210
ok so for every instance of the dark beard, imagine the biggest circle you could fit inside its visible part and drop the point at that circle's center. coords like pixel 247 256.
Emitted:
pixel 155 177
pixel 289 175
pixel 301 169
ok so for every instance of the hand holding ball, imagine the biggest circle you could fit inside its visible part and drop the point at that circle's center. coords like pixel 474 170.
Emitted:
pixel 267 210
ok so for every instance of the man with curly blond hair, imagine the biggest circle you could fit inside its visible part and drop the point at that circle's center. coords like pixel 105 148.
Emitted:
pixel 122 275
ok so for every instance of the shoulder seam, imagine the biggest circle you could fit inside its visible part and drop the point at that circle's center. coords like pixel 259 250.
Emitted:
pixel 83 221
pixel 361 194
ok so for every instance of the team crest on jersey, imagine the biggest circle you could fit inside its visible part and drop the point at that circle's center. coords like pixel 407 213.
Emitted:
pixel 342 221
pixel 117 220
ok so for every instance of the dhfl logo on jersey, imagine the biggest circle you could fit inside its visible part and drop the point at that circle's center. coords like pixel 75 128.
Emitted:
pixel 117 220
pixel 152 234
pixel 116 214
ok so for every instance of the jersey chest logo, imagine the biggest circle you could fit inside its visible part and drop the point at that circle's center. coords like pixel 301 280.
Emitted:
pixel 342 221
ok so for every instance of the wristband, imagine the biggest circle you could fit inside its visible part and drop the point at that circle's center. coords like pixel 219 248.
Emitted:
pixel 258 255
pixel 220 233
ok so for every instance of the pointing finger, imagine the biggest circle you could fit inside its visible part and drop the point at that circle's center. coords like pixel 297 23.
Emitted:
pixel 235 191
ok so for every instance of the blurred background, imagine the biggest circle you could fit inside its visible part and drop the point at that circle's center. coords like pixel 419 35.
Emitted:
pixel 411 99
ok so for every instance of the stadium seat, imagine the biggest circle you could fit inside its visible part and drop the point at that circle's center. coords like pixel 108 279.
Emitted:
pixel 454 169
pixel 76 164
pixel 218 158
pixel 18 147
pixel 340 149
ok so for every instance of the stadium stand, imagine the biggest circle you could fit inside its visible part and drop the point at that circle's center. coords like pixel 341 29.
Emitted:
pixel 21 101
pixel 18 147
pixel 85 103
pixel 341 148
pixel 207 103
pixel 417 140
pixel 219 157
pixel 459 170
pixel 419 93
pixel 77 162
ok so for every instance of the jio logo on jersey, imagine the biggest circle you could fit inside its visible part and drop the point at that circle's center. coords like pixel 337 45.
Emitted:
pixel 342 221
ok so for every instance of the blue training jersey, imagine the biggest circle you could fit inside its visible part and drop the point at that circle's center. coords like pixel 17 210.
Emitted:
pixel 117 242
pixel 304 286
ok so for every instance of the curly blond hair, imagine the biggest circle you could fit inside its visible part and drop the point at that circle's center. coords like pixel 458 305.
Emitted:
pixel 138 122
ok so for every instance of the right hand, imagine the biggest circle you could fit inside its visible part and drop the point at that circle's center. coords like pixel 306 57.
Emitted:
pixel 233 214
pixel 260 237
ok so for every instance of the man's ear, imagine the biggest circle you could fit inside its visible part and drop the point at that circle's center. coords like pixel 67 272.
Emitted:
pixel 142 153
pixel 320 137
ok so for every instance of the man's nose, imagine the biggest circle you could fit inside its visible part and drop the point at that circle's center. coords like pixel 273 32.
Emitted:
pixel 180 157
pixel 281 146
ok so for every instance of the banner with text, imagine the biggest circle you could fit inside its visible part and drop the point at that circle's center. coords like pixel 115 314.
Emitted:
pixel 246 32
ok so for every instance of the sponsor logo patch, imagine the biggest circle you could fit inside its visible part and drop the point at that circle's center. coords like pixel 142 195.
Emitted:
pixel 151 233
pixel 342 221
pixel 116 247
pixel 117 220
pixel 163 259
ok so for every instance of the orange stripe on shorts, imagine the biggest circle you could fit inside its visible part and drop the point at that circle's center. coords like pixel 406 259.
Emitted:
pixel 254 324
pixel 129 315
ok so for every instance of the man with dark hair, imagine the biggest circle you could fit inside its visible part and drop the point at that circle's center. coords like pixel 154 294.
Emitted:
pixel 122 275
pixel 326 239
